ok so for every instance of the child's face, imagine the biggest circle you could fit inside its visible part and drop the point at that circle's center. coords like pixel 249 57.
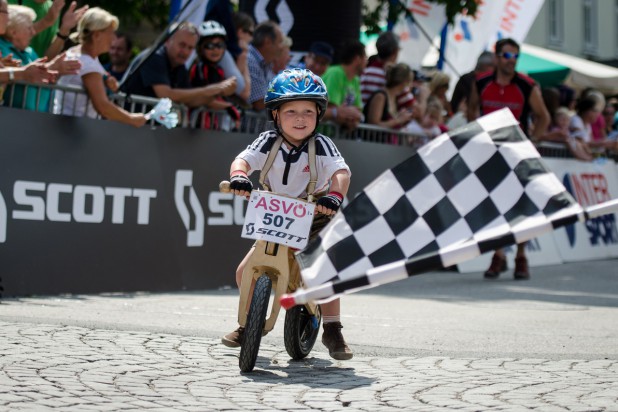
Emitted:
pixel 430 120
pixel 212 50
pixel 298 119
pixel 562 120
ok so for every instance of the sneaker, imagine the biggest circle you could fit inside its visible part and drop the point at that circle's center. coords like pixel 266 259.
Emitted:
pixel 234 339
pixel 521 269
pixel 498 264
pixel 333 340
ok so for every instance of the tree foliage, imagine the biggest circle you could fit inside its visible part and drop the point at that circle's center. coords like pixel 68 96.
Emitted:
pixel 156 12
pixel 132 13
pixel 391 10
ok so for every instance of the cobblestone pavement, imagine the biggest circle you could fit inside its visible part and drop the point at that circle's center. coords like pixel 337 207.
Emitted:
pixel 77 368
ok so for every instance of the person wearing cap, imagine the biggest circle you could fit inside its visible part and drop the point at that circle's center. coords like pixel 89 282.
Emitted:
pixel 319 57
pixel 373 77
pixel 343 84
pixel 484 63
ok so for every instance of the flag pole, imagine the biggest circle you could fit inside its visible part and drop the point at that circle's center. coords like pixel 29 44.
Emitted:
pixel 450 256
pixel 410 16
pixel 170 29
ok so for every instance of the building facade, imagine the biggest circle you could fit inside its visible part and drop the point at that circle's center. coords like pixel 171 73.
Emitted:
pixel 583 28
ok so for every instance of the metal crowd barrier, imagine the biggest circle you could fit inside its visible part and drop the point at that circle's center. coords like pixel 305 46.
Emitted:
pixel 56 98
pixel 40 97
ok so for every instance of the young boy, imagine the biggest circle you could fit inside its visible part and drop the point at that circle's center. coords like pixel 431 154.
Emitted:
pixel 297 99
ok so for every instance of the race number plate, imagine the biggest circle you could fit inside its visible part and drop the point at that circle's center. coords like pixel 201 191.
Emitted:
pixel 278 219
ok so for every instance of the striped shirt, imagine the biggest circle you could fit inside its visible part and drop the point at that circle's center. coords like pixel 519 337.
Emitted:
pixel 374 79
pixel 260 72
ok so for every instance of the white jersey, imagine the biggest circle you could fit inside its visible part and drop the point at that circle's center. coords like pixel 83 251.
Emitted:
pixel 294 182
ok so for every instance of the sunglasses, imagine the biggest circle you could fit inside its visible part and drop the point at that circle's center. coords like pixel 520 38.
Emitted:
pixel 509 56
pixel 213 46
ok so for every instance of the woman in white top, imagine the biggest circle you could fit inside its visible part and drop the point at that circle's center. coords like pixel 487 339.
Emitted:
pixel 95 32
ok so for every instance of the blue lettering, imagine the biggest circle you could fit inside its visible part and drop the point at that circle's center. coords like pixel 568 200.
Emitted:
pixel 602 228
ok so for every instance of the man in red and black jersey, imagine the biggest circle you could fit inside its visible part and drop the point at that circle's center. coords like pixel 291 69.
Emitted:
pixel 495 90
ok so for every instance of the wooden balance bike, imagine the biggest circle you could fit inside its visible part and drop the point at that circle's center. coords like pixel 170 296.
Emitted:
pixel 271 272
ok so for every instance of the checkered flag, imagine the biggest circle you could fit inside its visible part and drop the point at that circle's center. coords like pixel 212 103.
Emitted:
pixel 469 191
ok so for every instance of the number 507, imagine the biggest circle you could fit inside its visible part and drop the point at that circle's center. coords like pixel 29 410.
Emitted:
pixel 277 221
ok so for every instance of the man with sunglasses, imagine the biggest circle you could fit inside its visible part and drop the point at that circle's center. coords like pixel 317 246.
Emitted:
pixel 505 87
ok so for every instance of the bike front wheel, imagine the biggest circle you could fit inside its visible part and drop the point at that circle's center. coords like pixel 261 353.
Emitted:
pixel 301 331
pixel 255 324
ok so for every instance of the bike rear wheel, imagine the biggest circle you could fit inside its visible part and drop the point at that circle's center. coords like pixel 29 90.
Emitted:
pixel 301 331
pixel 255 324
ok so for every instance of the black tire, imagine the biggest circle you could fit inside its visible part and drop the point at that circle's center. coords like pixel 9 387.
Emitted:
pixel 255 324
pixel 300 331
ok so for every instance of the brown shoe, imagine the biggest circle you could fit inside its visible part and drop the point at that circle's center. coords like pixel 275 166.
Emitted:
pixel 498 264
pixel 521 269
pixel 234 339
pixel 333 340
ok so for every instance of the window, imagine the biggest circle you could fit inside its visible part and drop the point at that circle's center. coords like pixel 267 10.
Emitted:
pixel 591 26
pixel 555 16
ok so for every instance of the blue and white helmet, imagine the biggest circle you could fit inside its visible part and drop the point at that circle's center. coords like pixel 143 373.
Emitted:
pixel 296 84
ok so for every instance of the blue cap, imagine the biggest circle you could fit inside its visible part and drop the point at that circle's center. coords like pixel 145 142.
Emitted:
pixel 322 49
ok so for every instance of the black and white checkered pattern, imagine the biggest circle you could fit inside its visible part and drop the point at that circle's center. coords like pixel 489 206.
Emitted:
pixel 472 190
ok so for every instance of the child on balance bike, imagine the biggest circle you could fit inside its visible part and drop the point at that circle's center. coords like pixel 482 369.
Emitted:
pixel 297 99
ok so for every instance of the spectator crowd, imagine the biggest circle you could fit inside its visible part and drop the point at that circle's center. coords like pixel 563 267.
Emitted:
pixel 224 65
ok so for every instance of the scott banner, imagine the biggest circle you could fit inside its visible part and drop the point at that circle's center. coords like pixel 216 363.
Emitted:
pixel 90 206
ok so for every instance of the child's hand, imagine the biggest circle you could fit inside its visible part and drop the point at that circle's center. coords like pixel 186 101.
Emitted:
pixel 330 203
pixel 240 185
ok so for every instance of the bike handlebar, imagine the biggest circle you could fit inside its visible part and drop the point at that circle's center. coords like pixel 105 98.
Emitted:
pixel 224 186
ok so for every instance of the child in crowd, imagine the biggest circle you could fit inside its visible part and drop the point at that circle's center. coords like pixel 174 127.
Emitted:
pixel 560 126
pixel 206 70
pixel 429 125
pixel 296 100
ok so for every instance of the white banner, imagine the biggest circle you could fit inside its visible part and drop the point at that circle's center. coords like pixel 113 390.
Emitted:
pixel 416 38
pixel 516 20
pixel 590 184
pixel 469 36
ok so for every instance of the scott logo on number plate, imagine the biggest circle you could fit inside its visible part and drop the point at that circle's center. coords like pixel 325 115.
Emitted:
pixel 278 219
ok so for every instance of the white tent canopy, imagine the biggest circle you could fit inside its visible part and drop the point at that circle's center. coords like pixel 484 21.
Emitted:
pixel 584 73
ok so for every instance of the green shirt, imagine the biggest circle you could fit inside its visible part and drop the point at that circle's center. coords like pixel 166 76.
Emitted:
pixel 341 90
pixel 42 40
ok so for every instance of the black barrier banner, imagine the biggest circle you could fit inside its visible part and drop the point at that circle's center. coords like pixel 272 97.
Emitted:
pixel 90 206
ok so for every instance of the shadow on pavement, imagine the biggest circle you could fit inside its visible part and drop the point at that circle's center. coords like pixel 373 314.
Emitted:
pixel 308 372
